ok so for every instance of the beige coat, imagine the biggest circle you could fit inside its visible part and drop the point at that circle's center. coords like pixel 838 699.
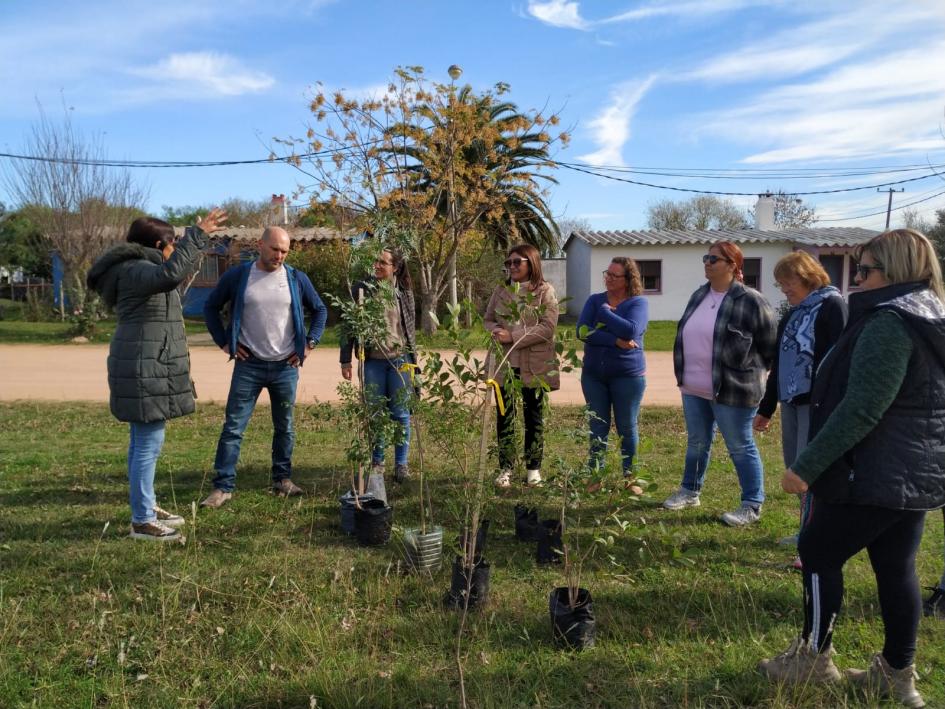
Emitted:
pixel 532 349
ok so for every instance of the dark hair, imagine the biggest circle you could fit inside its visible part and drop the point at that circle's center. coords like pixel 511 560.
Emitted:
pixel 631 274
pixel 401 272
pixel 531 255
pixel 734 255
pixel 151 232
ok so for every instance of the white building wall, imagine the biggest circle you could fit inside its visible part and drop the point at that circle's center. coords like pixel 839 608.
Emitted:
pixel 578 275
pixel 555 272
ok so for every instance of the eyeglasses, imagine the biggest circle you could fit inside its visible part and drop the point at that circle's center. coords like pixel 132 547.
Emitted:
pixel 515 262
pixel 863 271
pixel 713 259
pixel 609 275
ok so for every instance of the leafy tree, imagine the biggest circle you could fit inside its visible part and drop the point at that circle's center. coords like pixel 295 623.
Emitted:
pixel 448 164
pixel 700 212
pixel 22 245
pixel 80 205
pixel 241 212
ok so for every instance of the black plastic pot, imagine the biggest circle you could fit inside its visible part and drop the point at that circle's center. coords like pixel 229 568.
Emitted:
pixel 527 528
pixel 572 628
pixel 372 523
pixel 478 590
pixel 423 552
pixel 465 539
pixel 347 510
pixel 549 542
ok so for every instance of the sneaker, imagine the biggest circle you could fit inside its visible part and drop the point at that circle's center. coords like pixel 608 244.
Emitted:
pixel 934 605
pixel 504 480
pixel 881 678
pixel 216 499
pixel 169 519
pixel 154 531
pixel 533 477
pixel 682 498
pixel 746 514
pixel 377 469
pixel 800 664
pixel 286 488
pixel 401 473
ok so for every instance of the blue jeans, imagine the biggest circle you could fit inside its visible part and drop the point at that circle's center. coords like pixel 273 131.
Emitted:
pixel 250 377
pixel 383 378
pixel 144 447
pixel 702 416
pixel 623 395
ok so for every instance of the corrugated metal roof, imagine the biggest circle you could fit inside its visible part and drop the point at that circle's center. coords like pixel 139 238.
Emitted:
pixel 246 233
pixel 808 236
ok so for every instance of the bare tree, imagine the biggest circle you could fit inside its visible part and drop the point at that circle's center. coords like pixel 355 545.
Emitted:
pixel 790 211
pixel 701 212
pixel 79 204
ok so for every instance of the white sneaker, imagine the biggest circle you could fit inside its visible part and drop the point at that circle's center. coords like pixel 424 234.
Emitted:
pixel 169 519
pixel 746 514
pixel 533 477
pixel 681 499
pixel 504 480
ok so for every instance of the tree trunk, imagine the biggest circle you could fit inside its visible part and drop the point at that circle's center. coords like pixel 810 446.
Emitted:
pixel 428 303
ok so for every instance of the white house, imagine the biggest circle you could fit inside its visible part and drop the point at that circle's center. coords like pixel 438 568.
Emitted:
pixel 671 261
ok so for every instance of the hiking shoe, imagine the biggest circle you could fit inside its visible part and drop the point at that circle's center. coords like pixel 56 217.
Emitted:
pixel 504 480
pixel 800 664
pixel 883 679
pixel 401 473
pixel 681 499
pixel 154 531
pixel 746 514
pixel 169 519
pixel 934 605
pixel 533 477
pixel 216 499
pixel 286 488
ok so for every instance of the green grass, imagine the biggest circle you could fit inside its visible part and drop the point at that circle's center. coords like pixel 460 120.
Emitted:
pixel 268 605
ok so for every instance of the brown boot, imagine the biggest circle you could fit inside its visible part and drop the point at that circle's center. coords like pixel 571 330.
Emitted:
pixel 216 499
pixel 286 488
pixel 883 679
pixel 801 664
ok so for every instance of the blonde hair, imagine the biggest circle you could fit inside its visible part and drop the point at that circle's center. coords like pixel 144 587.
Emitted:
pixel 804 267
pixel 906 255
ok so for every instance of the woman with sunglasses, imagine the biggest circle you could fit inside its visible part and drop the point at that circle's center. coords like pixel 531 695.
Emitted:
pixel 611 325
pixel 725 343
pixel 806 333
pixel 388 361
pixel 875 462
pixel 522 316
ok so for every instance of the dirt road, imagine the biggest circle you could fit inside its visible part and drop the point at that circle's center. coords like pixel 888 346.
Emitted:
pixel 77 373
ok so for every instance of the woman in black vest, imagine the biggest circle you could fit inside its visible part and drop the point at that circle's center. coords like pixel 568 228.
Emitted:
pixel 875 462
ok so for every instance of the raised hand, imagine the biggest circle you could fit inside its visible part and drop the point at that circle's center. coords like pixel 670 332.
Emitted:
pixel 213 221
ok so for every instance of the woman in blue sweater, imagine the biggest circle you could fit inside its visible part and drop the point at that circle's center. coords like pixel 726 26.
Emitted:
pixel 611 325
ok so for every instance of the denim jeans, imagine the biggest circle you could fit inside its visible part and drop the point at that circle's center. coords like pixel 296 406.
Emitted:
pixel 702 417
pixel 533 404
pixel 622 395
pixel 382 377
pixel 144 447
pixel 250 377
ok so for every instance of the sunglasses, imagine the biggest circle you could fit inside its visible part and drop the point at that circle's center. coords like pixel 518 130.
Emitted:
pixel 863 271
pixel 713 259
pixel 514 262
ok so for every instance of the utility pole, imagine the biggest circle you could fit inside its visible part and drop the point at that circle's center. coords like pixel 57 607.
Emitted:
pixel 889 206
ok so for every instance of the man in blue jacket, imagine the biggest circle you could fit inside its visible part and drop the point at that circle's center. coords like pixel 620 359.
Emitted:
pixel 266 335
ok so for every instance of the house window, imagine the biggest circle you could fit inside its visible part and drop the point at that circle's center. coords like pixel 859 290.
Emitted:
pixel 651 272
pixel 851 274
pixel 752 271
pixel 833 265
pixel 211 268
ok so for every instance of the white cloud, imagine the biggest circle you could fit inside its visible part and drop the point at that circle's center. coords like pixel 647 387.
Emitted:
pixel 558 13
pixel 206 74
pixel 610 129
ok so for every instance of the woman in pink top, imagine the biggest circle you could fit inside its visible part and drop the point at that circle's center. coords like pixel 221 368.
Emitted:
pixel 725 343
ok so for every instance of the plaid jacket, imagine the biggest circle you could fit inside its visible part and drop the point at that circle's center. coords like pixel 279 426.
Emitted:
pixel 743 346
pixel 408 318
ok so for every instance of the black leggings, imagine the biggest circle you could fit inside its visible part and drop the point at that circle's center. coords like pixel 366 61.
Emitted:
pixel 834 533
pixel 533 400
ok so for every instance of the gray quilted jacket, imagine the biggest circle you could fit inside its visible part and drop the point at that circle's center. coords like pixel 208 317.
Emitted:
pixel 148 361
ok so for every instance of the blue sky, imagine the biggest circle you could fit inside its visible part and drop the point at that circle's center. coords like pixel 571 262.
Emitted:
pixel 712 84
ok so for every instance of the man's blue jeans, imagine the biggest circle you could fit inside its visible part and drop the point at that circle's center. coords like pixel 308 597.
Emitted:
pixel 144 447
pixel 250 377
pixel 383 378
pixel 702 416
pixel 622 395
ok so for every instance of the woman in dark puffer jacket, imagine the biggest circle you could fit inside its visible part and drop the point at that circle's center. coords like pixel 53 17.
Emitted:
pixel 148 362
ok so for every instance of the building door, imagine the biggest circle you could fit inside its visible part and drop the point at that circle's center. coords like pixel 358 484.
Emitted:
pixel 833 265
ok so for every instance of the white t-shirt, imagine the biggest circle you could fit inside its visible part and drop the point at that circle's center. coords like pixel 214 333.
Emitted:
pixel 266 326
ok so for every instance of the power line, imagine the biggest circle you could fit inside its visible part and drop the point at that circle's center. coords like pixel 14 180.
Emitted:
pixel 883 211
